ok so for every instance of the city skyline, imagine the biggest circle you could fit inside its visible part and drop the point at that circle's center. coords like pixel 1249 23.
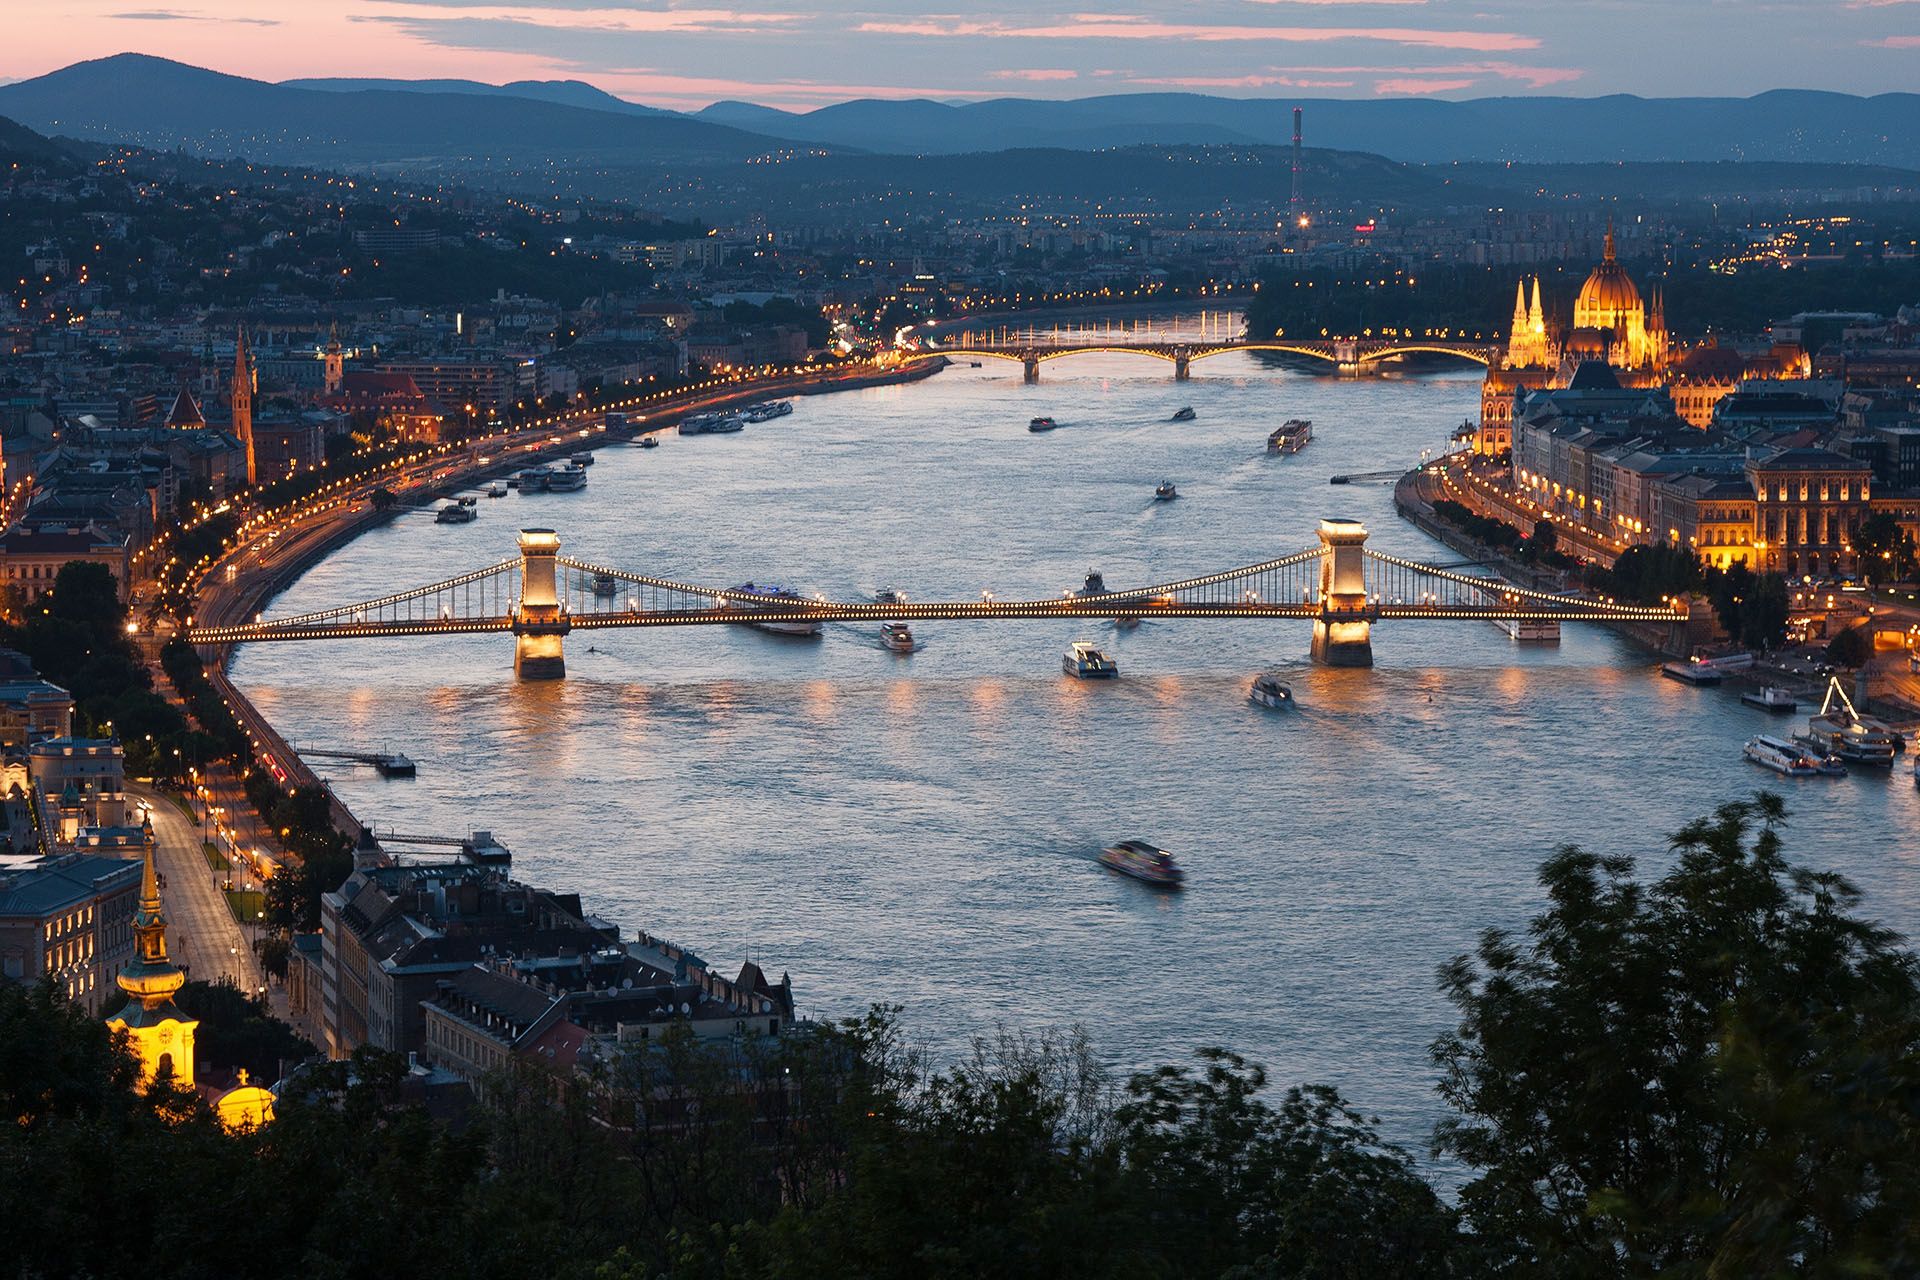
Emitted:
pixel 797 56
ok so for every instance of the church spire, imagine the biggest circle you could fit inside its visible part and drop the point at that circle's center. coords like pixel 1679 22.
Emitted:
pixel 243 388
pixel 158 1033
pixel 1608 254
pixel 1536 318
pixel 1519 310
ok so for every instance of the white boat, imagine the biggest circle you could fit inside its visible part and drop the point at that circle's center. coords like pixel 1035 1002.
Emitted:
pixel 1838 730
pixel 1771 698
pixel 496 490
pixel 767 410
pixel 897 636
pixel 1782 756
pixel 456 513
pixel 1271 691
pixel 712 424
pixel 773 597
pixel 1084 662
pixel 1530 630
pixel 568 479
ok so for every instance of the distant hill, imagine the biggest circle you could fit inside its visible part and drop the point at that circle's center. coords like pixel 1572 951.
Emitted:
pixel 568 93
pixel 162 104
pixel 19 144
pixel 1787 125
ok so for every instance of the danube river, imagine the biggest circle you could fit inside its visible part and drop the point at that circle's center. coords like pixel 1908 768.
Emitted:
pixel 921 829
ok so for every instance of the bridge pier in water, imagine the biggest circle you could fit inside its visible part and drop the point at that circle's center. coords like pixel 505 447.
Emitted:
pixel 539 624
pixel 1182 362
pixel 1030 368
pixel 1343 633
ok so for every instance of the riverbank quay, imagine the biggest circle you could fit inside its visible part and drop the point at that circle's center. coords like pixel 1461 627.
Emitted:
pixel 277 548
pixel 1414 496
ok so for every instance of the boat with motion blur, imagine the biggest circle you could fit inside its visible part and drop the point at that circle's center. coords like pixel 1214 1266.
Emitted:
pixel 1838 730
pixel 1143 861
pixel 1290 436
pixel 1184 413
pixel 1085 662
pixel 1041 424
pixel 1165 492
pixel 1271 691
pixel 773 597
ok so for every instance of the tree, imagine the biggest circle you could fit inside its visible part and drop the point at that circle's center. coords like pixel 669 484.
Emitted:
pixel 1886 550
pixel 1711 1075
pixel 1545 539
pixel 1850 647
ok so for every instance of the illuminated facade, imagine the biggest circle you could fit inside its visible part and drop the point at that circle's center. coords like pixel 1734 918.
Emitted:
pixel 158 1033
pixel 242 401
pixel 1611 322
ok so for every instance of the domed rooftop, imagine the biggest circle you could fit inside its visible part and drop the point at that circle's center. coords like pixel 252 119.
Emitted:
pixel 1609 290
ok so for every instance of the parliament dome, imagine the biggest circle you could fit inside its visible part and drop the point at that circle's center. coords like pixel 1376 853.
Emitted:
pixel 1609 290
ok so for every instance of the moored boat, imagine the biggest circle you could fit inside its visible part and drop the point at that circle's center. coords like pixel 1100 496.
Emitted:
pixel 455 513
pixel 1838 730
pixel 1144 862
pixel 1084 662
pixel 1771 698
pixel 535 479
pixel 1271 691
pixel 496 490
pixel 1692 672
pixel 1783 757
pixel 568 479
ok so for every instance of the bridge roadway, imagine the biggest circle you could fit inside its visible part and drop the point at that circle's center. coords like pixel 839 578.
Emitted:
pixel 1349 356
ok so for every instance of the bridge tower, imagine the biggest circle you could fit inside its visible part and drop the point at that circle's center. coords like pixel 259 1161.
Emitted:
pixel 1343 633
pixel 539 623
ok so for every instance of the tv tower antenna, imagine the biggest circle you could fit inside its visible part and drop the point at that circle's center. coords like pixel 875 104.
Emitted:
pixel 1296 208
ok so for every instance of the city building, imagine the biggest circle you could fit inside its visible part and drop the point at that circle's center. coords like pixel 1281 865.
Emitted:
pixel 68 919
pixel 84 778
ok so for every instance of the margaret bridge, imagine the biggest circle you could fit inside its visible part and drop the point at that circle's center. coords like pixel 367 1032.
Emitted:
pixel 1340 585
pixel 1350 357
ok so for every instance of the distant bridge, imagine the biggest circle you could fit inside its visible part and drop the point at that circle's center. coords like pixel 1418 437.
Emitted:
pixel 1348 356
pixel 1340 585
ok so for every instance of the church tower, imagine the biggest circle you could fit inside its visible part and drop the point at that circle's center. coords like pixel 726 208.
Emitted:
pixel 159 1034
pixel 243 388
pixel 335 361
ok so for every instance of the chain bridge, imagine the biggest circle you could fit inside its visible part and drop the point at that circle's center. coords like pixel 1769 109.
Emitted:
pixel 1338 585
pixel 1351 357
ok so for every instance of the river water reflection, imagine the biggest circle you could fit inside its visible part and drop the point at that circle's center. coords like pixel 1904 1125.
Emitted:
pixel 920 829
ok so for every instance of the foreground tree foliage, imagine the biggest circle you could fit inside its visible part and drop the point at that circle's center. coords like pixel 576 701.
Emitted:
pixel 1714 1075
pixel 1710 1075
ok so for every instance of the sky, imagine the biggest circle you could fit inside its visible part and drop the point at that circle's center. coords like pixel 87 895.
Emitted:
pixel 800 54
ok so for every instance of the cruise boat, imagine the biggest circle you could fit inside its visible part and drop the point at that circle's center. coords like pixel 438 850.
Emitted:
pixel 1771 698
pixel 778 596
pixel 897 636
pixel 1165 492
pixel 581 460
pixel 887 595
pixel 712 424
pixel 1271 691
pixel 1290 436
pixel 1041 424
pixel 568 479
pixel 1184 413
pixel 767 410
pixel 1692 672
pixel 496 490
pixel 468 499
pixel 1782 756
pixel 534 479
pixel 606 586
pixel 456 513
pixel 1143 861
pixel 1530 630
pixel 1084 662
pixel 649 442
pixel 1838 730
pixel 1095 585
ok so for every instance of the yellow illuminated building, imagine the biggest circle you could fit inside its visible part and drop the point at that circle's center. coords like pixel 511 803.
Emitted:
pixel 1611 322
pixel 158 1033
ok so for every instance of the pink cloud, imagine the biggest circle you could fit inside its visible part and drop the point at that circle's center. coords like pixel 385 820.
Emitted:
pixel 1097 26
pixel 1035 73
pixel 1895 42
pixel 1239 82
pixel 1417 86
